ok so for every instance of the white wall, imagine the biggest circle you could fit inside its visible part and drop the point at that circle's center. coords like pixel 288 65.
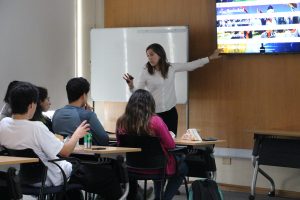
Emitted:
pixel 99 17
pixel 91 10
pixel 37 44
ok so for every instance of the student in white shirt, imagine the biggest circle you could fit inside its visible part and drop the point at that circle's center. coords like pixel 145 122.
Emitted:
pixel 20 133
pixel 158 77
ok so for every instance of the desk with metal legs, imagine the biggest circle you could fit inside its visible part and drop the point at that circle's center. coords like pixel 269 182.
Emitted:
pixel 112 137
pixel 274 148
pixel 207 154
pixel 105 150
pixel 197 143
pixel 192 146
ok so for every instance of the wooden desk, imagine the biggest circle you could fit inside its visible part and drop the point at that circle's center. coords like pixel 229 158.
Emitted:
pixel 197 143
pixel 10 160
pixel 112 137
pixel 205 166
pixel 108 150
pixel 274 148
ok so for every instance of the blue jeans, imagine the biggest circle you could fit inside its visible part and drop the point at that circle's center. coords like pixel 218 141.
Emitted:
pixel 174 181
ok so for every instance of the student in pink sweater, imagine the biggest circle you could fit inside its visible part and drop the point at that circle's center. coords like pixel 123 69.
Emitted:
pixel 140 118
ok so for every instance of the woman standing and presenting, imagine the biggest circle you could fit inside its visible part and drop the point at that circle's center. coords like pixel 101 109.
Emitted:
pixel 158 76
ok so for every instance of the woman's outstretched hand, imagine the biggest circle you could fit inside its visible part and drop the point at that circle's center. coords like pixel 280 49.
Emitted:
pixel 215 54
pixel 129 80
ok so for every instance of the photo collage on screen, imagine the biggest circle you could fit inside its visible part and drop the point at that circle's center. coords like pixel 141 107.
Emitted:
pixel 258 26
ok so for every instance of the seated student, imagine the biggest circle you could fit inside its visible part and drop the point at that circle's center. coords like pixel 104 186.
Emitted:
pixel 6 111
pixel 66 119
pixel 43 105
pixel 20 133
pixel 140 118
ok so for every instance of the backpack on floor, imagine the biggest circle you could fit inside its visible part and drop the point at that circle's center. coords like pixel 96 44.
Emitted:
pixel 205 189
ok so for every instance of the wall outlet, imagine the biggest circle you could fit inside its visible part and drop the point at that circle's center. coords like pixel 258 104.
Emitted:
pixel 226 161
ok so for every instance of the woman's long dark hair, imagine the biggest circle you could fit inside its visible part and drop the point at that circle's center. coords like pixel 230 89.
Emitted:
pixel 10 86
pixel 38 115
pixel 139 110
pixel 163 61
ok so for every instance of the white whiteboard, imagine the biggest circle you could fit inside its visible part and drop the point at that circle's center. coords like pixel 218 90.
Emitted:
pixel 115 51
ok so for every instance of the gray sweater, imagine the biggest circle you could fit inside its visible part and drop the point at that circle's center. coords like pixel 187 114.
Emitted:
pixel 67 119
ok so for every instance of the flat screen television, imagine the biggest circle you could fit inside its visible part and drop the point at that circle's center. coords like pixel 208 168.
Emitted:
pixel 258 26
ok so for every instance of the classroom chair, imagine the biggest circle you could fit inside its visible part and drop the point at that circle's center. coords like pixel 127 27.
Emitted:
pixel 116 164
pixel 32 173
pixel 152 157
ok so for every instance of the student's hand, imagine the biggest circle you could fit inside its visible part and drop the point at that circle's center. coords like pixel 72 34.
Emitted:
pixel 215 54
pixel 129 80
pixel 69 145
pixel 82 130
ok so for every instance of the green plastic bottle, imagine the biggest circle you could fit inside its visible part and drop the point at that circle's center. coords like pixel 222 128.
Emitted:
pixel 88 141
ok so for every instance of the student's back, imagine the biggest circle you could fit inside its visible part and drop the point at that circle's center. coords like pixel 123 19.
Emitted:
pixel 20 133
pixel 139 118
pixel 36 136
pixel 67 119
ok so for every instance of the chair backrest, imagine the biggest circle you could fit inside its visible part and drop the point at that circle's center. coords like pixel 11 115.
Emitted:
pixel 30 173
pixel 152 155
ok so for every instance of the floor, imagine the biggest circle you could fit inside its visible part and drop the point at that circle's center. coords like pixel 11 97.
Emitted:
pixel 234 196
pixel 227 196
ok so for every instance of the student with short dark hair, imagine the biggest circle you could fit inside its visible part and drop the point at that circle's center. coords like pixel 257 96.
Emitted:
pixel 66 119
pixel 6 110
pixel 20 133
pixel 76 87
pixel 43 105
